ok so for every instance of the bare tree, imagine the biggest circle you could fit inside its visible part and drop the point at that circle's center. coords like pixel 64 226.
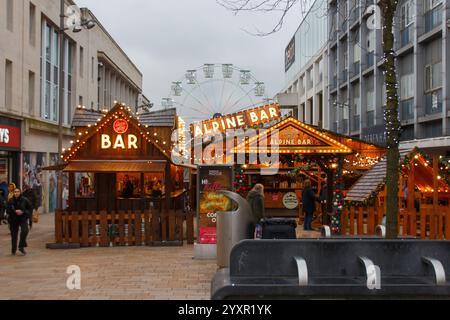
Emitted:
pixel 387 11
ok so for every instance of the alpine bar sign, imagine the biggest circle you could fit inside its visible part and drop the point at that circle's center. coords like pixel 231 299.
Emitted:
pixel 247 118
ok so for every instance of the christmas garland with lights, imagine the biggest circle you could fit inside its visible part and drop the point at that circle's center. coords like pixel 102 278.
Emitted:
pixel 240 182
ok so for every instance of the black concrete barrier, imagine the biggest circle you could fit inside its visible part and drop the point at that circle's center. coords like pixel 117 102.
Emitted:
pixel 335 269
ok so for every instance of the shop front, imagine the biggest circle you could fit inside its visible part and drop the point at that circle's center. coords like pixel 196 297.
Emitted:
pixel 10 150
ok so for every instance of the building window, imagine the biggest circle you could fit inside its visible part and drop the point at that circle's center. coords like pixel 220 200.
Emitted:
pixel 81 62
pixel 32 29
pixel 31 90
pixel 433 76
pixel 433 14
pixel 84 185
pixel 370 100
pixel 406 86
pixel 431 4
pixel 370 119
pixel 68 77
pixel 50 74
pixel 10 15
pixel 356 52
pixel 407 14
pixel 80 101
pixel 8 84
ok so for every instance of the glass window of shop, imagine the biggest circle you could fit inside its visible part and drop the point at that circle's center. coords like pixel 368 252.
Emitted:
pixel 137 185
pixel 84 185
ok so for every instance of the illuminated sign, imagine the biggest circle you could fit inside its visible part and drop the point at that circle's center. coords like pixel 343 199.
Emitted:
pixel 238 120
pixel 121 141
pixel 120 126
pixel 130 142
pixel 291 136
pixel 9 137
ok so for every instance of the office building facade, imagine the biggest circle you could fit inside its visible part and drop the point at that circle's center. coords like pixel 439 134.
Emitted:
pixel 96 72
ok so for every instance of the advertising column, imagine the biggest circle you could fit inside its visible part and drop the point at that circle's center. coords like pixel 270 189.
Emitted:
pixel 210 180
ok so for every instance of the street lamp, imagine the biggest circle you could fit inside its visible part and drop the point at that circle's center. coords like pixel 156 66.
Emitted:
pixel 81 21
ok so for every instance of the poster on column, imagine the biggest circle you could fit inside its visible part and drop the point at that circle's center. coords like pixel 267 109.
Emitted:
pixel 33 162
pixel 210 180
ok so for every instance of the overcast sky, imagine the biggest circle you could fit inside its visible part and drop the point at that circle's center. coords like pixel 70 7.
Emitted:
pixel 164 38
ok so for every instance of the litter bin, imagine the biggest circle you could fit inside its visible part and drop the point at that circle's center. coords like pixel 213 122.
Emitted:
pixel 233 227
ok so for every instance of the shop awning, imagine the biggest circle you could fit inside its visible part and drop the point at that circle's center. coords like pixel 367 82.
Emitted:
pixel 116 166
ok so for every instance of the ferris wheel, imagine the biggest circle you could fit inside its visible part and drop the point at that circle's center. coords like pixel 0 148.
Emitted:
pixel 213 90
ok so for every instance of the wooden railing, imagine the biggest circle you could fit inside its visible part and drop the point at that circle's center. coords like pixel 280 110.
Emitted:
pixel 430 223
pixel 137 228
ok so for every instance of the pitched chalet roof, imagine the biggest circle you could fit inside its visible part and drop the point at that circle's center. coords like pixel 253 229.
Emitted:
pixel 160 118
pixel 102 120
pixel 84 117
pixel 376 177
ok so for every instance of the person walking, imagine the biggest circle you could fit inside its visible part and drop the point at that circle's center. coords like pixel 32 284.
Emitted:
pixel 30 195
pixel 309 199
pixel 19 212
pixel 2 208
pixel 11 188
pixel 256 200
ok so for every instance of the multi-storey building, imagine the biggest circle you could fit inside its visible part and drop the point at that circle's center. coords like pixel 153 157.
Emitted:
pixel 96 72
pixel 356 95
pixel 306 66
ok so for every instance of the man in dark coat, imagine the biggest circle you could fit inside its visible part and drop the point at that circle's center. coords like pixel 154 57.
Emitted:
pixel 19 213
pixel 309 199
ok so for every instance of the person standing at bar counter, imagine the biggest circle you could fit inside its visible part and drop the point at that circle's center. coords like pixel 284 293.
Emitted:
pixel 309 199
pixel 19 214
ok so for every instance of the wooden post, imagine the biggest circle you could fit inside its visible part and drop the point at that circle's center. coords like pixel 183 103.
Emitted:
pixel 104 240
pixel 411 187
pixel 58 226
pixel 121 228
pixel 437 213
pixel 167 185
pixel 190 227
pixel 360 228
pixel 352 221
pixel 137 228
pixel 85 229
pixel 371 221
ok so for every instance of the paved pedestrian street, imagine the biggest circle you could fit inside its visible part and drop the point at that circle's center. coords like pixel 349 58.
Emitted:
pixel 127 273
pixel 121 273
